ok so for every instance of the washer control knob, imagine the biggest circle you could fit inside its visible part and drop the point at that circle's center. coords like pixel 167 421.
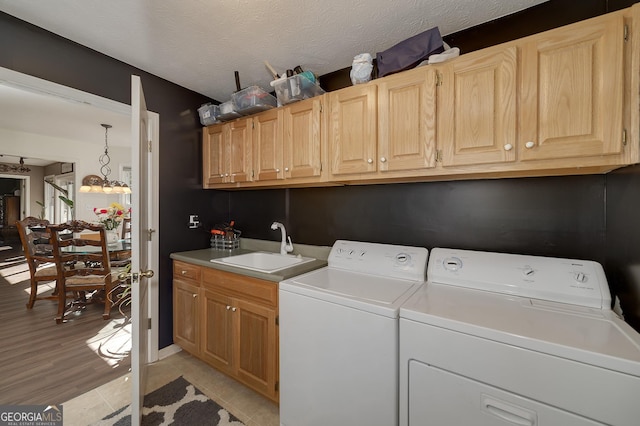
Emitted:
pixel 581 277
pixel 452 264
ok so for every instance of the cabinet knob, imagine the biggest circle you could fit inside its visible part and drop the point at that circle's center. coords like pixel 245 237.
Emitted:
pixel 369 161
pixel 228 307
pixel 183 272
pixel 530 145
pixel 226 174
pixel 277 170
pixel 286 169
pixel 194 295
pixel 234 309
pixel 383 159
pixel 508 147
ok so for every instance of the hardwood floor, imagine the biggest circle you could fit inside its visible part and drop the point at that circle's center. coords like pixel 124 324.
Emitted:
pixel 42 362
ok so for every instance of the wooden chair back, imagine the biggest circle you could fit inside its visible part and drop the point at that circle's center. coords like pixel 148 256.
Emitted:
pixel 37 249
pixel 82 265
pixel 126 228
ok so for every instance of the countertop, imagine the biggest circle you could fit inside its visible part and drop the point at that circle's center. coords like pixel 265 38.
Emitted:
pixel 203 257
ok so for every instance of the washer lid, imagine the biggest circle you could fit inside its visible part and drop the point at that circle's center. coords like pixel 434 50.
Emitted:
pixel 373 293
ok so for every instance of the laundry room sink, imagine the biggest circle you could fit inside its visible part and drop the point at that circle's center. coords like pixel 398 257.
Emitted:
pixel 262 261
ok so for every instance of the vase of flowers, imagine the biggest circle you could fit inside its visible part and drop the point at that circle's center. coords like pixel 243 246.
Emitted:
pixel 111 217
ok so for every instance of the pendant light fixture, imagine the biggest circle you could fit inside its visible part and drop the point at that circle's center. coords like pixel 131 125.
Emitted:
pixel 97 184
pixel 13 168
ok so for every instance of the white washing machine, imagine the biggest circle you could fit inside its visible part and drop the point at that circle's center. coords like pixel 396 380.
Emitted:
pixel 501 339
pixel 339 335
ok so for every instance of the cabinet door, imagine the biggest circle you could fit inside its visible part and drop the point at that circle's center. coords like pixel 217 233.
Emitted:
pixel 353 127
pixel 217 328
pixel 572 91
pixel 239 149
pixel 477 108
pixel 213 155
pixel 302 139
pixel 268 154
pixel 186 316
pixel 257 346
pixel 406 126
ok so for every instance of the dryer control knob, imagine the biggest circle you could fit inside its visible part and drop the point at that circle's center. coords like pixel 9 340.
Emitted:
pixel 581 277
pixel 403 258
pixel 452 264
pixel 528 271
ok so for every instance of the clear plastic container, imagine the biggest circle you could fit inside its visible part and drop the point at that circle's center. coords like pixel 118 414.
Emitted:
pixel 208 114
pixel 252 100
pixel 228 111
pixel 295 88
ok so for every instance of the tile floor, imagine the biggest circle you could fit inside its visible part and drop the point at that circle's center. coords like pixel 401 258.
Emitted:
pixel 250 407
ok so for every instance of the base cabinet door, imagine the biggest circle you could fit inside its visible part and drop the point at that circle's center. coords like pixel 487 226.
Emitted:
pixel 186 316
pixel 217 330
pixel 256 346
pixel 230 322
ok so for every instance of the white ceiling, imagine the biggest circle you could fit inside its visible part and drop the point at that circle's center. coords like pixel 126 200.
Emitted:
pixel 199 44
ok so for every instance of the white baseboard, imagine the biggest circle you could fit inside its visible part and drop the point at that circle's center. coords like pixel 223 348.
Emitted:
pixel 168 351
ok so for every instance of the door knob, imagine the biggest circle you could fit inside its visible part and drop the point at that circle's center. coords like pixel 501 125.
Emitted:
pixel 147 274
pixel 124 276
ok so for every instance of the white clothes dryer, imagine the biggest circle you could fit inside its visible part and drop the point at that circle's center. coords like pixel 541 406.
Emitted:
pixel 503 339
pixel 339 335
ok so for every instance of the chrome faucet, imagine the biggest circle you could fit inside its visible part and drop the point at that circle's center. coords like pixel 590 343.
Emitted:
pixel 285 246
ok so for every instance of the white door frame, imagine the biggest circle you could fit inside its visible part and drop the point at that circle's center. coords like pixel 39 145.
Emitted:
pixel 45 87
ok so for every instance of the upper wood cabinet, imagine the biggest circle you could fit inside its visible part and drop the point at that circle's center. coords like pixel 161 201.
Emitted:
pixel 268 150
pixel 226 151
pixel 289 144
pixel 353 130
pixel 304 135
pixel 572 91
pixel 560 102
pixel 477 108
pixel 384 126
pixel 407 121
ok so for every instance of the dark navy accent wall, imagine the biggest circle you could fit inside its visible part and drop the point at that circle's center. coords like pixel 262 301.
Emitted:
pixel 623 240
pixel 555 216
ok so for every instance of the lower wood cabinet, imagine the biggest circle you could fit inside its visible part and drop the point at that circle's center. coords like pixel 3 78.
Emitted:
pixel 230 322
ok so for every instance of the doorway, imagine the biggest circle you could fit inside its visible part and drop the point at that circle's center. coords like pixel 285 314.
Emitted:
pixel 82 153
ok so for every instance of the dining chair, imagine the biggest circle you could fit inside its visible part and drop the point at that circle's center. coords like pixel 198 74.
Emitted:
pixel 38 254
pixel 82 265
pixel 126 228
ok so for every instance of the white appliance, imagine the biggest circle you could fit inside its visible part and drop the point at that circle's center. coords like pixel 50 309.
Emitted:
pixel 339 335
pixel 502 339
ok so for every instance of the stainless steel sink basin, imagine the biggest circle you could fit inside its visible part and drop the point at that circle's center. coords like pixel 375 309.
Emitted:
pixel 262 261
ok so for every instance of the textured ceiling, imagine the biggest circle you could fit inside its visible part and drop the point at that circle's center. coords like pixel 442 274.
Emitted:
pixel 199 44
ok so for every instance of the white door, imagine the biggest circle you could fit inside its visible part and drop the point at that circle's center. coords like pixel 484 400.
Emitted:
pixel 140 245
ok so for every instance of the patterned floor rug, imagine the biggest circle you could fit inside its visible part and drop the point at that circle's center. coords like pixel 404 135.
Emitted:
pixel 176 403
